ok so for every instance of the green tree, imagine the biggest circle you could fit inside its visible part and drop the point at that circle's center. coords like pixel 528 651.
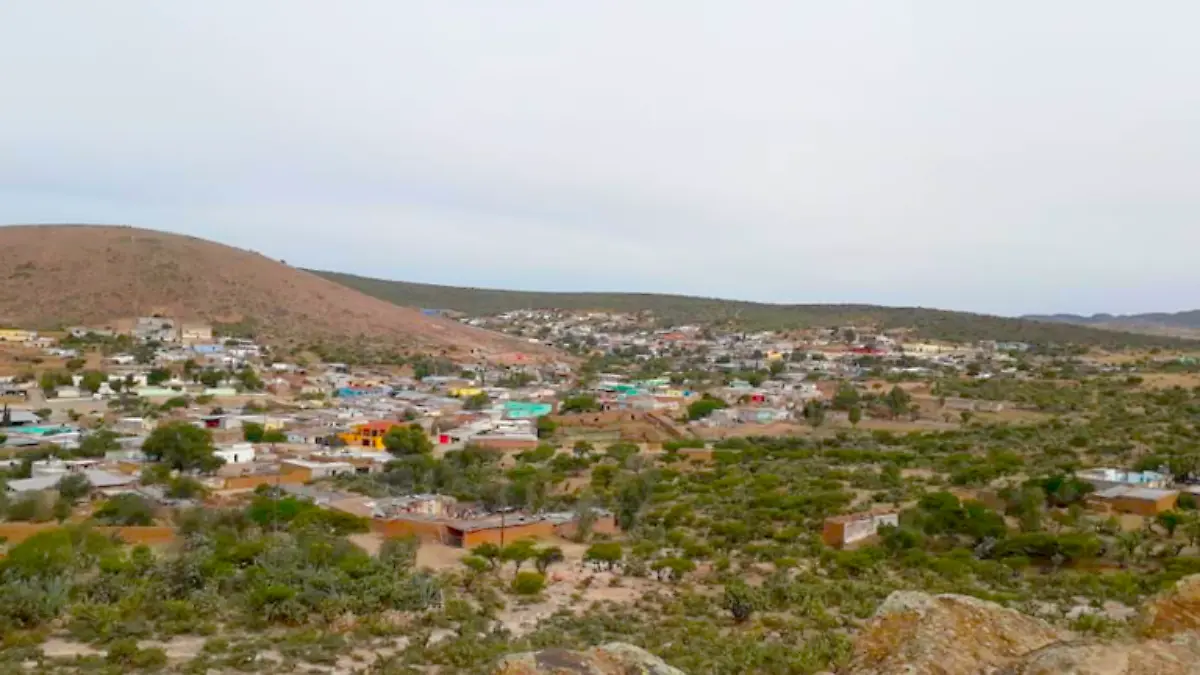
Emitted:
pixel 846 397
pixel 814 412
pixel 477 402
pixel 407 440
pixel 126 509
pixel 855 415
pixel 98 443
pixel 518 553
pixel 546 557
pixel 580 404
pixel 740 600
pixel 183 447
pixel 73 487
pixel 76 364
pixel 211 378
pixel 704 407
pixel 249 379
pixel 1170 521
pixel 606 553
pixel 252 432
pixel 528 583
pixel 897 401
pixel 546 427
pixel 489 552
pixel 92 380
pixel 157 376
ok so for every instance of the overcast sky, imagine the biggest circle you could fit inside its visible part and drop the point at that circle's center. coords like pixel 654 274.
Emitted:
pixel 1005 157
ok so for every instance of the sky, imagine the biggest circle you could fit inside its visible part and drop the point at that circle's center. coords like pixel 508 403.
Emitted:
pixel 1007 157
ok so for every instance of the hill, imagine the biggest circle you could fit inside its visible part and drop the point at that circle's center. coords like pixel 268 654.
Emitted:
pixel 1179 324
pixel 929 323
pixel 58 275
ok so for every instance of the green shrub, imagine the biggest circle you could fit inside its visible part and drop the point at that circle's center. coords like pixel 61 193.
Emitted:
pixel 528 583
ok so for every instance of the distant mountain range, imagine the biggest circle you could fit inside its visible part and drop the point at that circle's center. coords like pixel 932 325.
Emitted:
pixel 1178 324
pixel 1188 319
pixel 929 323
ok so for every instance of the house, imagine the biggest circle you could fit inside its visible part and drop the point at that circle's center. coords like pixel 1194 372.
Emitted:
pixel 238 453
pixel 192 333
pixel 368 434
pixel 316 470
pixel 155 329
pixel 102 481
pixel 1105 478
pixel 17 335
pixel 841 531
pixel 1141 501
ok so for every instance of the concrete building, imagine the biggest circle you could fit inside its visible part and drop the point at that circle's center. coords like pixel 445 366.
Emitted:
pixel 841 531
pixel 1140 501
pixel 1103 478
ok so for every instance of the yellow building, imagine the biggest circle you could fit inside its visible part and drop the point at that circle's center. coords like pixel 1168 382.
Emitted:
pixel 466 392
pixel 16 335
pixel 368 435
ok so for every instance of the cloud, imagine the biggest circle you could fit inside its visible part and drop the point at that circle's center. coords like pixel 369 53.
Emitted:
pixel 1013 158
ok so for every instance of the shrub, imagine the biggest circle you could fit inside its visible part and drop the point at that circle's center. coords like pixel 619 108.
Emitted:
pixel 126 509
pixel 528 583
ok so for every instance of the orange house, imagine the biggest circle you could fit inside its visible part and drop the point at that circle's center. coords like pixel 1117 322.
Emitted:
pixel 368 434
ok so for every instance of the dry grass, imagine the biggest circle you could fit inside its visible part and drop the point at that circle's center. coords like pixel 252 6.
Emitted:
pixel 63 275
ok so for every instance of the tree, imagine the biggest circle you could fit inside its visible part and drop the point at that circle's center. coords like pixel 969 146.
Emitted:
pixel 92 380
pixel 400 553
pixel 477 402
pixel 546 427
pixel 740 600
pixel 674 569
pixel 53 379
pixel 98 443
pixel 528 583
pixel 73 487
pixel 183 447
pixel 846 397
pixel 126 509
pixel 546 557
pixel 76 364
pixel 580 404
pixel 211 378
pixel 407 440
pixel 705 407
pixel 157 376
pixel 249 379
pixel 855 415
pixel 274 436
pixel 1170 521
pixel 252 432
pixel 489 552
pixel 606 553
pixel 518 553
pixel 582 448
pixel 183 487
pixel 898 401
pixel 476 566
pixel 814 412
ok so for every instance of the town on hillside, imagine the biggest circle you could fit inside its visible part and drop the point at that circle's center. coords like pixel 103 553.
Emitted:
pixel 646 456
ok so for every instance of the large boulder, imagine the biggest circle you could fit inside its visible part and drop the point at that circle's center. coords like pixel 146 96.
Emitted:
pixel 916 633
pixel 615 658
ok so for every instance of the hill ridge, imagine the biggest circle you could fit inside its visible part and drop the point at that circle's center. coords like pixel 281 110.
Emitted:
pixel 97 274
pixel 930 323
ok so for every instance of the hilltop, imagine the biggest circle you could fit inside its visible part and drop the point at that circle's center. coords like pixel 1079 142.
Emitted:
pixel 1179 324
pixel 59 275
pixel 929 323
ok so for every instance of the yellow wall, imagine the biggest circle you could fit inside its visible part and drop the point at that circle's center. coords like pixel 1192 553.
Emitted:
pixel 466 392
pixel 16 335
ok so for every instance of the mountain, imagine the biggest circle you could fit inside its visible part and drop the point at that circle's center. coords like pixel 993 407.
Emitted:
pixel 930 323
pixel 1180 324
pixel 59 275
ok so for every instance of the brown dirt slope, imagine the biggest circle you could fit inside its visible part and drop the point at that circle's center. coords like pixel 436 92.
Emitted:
pixel 72 274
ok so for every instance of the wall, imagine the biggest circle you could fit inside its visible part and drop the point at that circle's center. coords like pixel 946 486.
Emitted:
pixel 400 527
pixel 540 530
pixel 251 482
pixel 15 533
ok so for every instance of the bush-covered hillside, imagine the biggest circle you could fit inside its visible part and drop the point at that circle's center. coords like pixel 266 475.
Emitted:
pixel 930 323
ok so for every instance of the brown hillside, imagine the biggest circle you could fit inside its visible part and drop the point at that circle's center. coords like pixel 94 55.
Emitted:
pixel 66 274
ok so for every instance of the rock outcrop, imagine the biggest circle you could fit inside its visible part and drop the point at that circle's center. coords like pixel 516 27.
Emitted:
pixel 919 634
pixel 615 658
